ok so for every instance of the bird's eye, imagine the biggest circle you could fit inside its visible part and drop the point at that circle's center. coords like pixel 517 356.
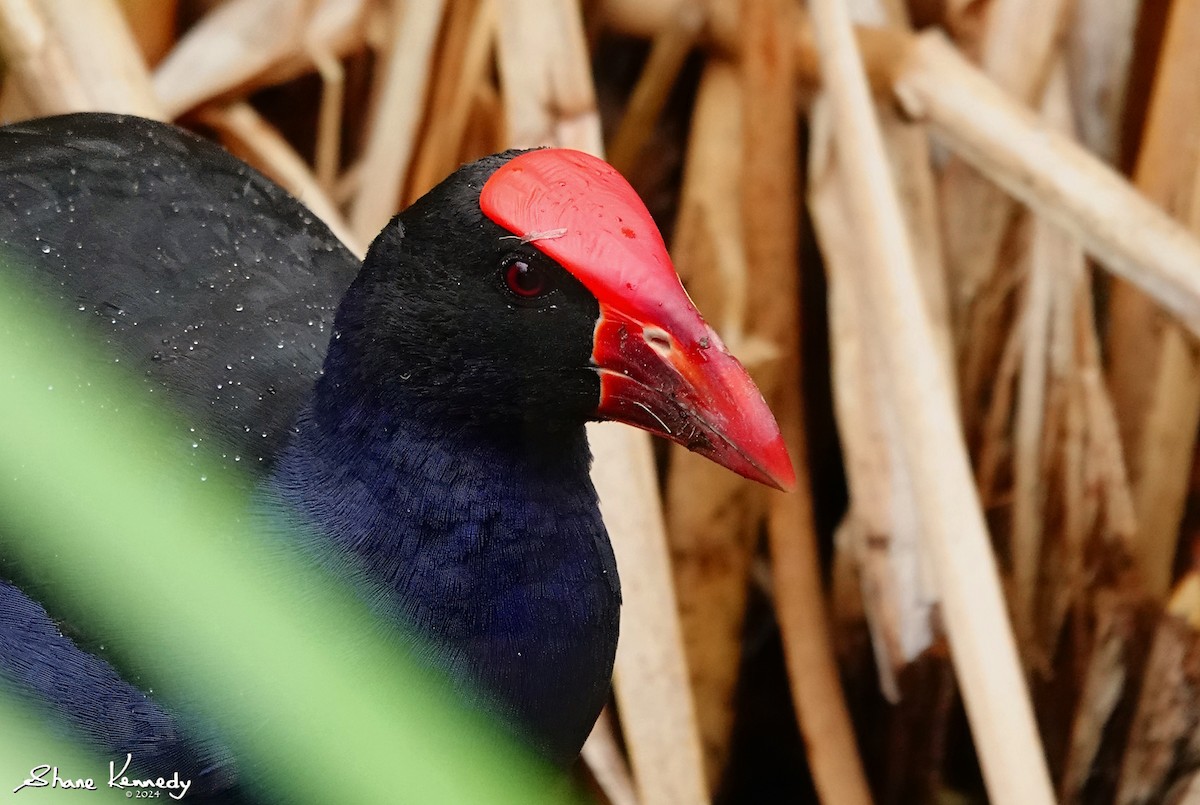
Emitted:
pixel 527 280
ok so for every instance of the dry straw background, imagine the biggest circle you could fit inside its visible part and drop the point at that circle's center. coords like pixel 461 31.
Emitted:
pixel 954 240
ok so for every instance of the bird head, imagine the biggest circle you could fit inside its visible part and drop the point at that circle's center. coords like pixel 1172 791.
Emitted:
pixel 532 289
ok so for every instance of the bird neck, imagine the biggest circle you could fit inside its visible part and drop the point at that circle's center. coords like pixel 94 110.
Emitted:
pixel 487 544
pixel 408 435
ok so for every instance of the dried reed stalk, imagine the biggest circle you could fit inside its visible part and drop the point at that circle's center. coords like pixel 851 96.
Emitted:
pixel 983 648
pixel 1053 267
pixel 800 606
pixel 880 530
pixel 549 100
pixel 64 56
pixel 397 108
pixel 1019 41
pixel 1186 791
pixel 244 132
pixel 1100 43
pixel 1154 366
pixel 993 447
pixel 667 54
pixel 556 101
pixel 604 758
pixel 883 532
pixel 36 64
pixel 328 149
pixel 1057 178
pixel 1097 522
pixel 651 680
pixel 649 18
pixel 1105 681
pixel 953 10
pixel 245 44
pixel 713 517
pixel 1185 599
pixel 1071 506
pixel 1168 706
pixel 485 130
pixel 104 54
pixel 975 213
pixel 1167 715
pixel 881 13
pixel 770 199
pixel 463 68
pixel 1097 526
pixel 1000 137
pixel 153 25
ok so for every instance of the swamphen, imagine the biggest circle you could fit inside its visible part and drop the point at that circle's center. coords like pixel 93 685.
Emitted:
pixel 422 412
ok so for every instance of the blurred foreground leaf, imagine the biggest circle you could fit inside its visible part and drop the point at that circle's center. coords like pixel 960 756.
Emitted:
pixel 25 743
pixel 287 666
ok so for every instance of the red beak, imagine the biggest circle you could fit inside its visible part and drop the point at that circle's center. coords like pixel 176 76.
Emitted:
pixel 688 388
pixel 662 368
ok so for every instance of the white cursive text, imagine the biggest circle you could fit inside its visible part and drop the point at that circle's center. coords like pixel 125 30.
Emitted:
pixel 175 788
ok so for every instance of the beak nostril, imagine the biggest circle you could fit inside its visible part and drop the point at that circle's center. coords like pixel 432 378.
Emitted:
pixel 658 339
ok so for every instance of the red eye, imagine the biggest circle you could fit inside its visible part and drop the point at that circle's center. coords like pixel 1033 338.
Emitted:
pixel 525 280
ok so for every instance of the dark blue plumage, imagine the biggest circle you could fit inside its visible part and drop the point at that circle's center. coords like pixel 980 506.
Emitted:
pixel 441 458
pixel 498 555
pixel 86 697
